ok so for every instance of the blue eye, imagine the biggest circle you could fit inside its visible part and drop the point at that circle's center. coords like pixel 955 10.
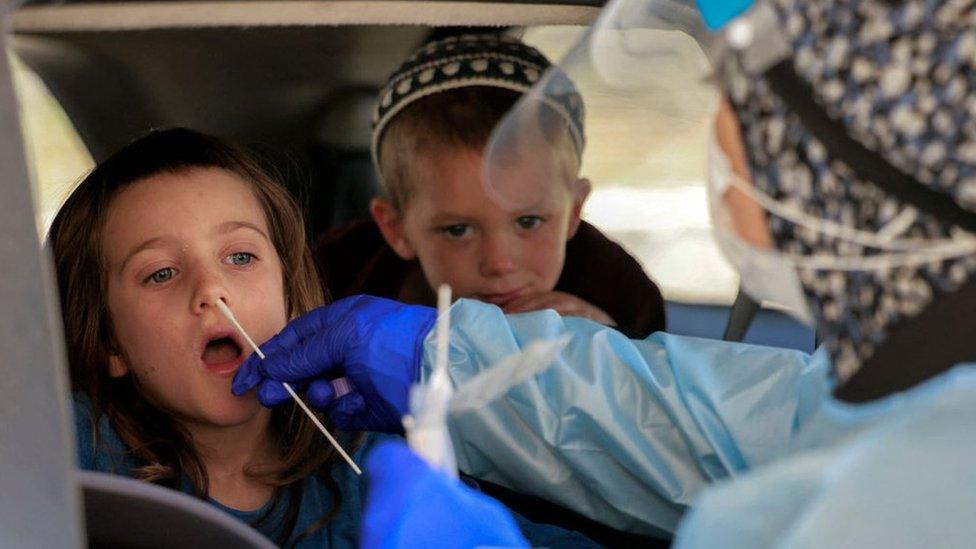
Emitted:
pixel 457 231
pixel 240 258
pixel 529 222
pixel 162 275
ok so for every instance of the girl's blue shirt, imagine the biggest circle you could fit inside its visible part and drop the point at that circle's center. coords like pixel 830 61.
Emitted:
pixel 106 453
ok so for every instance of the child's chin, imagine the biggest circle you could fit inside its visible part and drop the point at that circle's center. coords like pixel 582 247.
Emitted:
pixel 235 411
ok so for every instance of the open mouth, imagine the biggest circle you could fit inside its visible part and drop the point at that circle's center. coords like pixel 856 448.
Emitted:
pixel 221 352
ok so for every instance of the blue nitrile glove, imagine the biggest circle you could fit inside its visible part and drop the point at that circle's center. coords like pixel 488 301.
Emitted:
pixel 376 343
pixel 411 505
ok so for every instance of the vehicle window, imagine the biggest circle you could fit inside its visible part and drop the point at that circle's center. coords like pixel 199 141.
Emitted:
pixel 56 156
pixel 657 209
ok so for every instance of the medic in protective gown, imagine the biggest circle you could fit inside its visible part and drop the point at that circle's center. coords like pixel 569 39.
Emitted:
pixel 851 125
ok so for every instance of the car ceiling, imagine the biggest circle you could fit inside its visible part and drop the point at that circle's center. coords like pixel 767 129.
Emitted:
pixel 279 84
pixel 261 84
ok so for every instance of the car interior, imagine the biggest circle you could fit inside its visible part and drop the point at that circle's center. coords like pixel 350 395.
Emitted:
pixel 296 82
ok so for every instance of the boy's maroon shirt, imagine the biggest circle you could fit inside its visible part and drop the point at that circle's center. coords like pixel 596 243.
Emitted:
pixel 354 259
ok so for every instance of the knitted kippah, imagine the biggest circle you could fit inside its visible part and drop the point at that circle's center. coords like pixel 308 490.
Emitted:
pixel 476 60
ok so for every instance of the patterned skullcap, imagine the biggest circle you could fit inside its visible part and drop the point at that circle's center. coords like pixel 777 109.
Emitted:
pixel 491 60
pixel 900 77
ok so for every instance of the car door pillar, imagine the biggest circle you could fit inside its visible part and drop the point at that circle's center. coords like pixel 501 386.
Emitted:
pixel 40 503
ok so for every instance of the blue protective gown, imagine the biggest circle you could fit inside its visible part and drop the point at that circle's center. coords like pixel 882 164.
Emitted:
pixel 629 432
pixel 906 480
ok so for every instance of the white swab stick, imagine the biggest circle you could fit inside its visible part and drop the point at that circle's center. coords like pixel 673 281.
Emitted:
pixel 322 428
pixel 443 330
pixel 225 310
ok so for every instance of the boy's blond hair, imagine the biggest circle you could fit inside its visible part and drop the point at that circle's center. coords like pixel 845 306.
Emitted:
pixel 461 118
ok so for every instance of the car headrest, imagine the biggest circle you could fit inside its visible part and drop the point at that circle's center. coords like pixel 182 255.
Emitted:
pixel 123 512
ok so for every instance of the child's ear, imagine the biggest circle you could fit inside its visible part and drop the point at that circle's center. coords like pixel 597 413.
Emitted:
pixel 581 192
pixel 117 366
pixel 390 222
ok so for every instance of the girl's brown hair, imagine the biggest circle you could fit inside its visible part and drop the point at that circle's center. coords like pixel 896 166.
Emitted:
pixel 151 436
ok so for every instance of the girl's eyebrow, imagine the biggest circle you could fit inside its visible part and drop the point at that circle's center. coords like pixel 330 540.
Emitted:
pixel 144 246
pixel 230 226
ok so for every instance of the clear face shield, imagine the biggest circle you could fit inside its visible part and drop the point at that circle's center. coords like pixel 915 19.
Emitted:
pixel 640 83
pixel 637 78
pixel 654 116
pixel 619 69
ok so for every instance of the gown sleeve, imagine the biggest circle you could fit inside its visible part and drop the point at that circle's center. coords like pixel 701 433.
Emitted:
pixel 625 432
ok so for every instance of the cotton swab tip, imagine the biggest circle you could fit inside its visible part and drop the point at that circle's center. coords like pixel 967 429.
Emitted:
pixel 443 298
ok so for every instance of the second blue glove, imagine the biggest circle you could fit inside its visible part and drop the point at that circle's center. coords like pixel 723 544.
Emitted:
pixel 411 505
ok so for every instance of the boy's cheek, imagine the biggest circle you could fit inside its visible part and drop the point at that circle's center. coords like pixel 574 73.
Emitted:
pixel 548 254
pixel 447 264
pixel 549 240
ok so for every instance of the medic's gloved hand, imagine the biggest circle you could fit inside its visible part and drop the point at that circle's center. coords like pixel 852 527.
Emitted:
pixel 377 344
pixel 411 505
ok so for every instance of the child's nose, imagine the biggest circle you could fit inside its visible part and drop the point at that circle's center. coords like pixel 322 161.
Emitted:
pixel 210 287
pixel 498 257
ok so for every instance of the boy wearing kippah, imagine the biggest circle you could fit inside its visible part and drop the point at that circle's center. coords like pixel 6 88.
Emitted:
pixel 439 223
